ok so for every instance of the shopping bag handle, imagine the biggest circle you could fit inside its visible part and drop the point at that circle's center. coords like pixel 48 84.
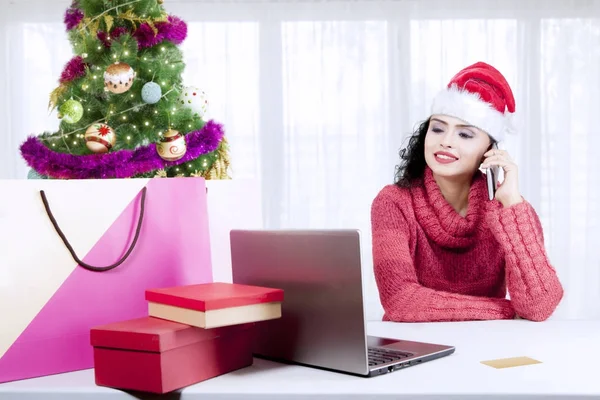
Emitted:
pixel 66 242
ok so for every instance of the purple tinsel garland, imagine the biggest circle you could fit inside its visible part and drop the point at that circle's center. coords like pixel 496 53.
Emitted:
pixel 73 16
pixel 74 69
pixel 174 30
pixel 118 164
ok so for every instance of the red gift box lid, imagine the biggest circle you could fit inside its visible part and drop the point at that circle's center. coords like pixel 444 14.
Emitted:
pixel 213 296
pixel 155 335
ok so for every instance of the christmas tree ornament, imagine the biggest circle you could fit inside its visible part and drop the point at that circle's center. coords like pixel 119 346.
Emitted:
pixel 100 138
pixel 195 99
pixel 172 146
pixel 151 93
pixel 33 174
pixel 119 77
pixel 71 111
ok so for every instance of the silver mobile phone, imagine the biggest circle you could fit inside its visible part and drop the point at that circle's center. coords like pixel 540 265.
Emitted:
pixel 492 175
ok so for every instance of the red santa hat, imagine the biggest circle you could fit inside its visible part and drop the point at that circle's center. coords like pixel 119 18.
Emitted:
pixel 480 95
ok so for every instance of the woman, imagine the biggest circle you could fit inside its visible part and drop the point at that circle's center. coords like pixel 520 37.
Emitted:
pixel 442 250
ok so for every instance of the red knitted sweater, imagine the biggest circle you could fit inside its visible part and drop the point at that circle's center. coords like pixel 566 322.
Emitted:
pixel 432 264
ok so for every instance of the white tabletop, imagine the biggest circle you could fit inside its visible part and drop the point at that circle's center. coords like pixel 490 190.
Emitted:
pixel 569 352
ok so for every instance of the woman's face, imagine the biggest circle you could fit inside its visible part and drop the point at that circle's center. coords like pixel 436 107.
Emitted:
pixel 453 148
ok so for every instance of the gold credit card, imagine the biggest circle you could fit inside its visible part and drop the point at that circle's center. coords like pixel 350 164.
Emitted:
pixel 511 362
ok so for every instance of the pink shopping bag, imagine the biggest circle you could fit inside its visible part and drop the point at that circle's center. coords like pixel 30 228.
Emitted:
pixel 77 254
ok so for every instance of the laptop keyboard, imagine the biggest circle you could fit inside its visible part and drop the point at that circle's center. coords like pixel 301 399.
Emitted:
pixel 379 356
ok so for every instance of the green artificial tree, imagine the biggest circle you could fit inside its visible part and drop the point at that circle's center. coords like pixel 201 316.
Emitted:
pixel 123 107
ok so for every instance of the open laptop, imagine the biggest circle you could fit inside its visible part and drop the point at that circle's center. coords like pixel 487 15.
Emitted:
pixel 323 319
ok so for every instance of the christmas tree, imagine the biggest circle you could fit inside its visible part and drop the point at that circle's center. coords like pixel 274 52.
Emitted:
pixel 124 110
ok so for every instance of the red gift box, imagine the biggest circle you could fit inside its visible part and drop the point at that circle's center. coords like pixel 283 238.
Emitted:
pixel 212 305
pixel 159 356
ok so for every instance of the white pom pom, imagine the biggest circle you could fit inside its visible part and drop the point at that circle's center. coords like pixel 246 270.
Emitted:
pixel 511 124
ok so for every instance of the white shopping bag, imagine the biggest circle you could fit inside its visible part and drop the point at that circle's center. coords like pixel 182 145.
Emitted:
pixel 49 302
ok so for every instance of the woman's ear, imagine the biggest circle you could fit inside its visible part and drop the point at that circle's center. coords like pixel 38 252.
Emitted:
pixel 483 155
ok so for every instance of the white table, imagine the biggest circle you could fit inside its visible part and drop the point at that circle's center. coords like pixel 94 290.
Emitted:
pixel 569 352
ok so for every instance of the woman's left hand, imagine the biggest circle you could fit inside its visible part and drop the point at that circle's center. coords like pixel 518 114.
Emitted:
pixel 507 193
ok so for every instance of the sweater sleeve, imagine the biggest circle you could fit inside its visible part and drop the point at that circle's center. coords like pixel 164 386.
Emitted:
pixel 403 298
pixel 532 282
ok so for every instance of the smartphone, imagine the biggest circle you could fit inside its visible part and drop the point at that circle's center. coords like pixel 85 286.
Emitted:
pixel 492 175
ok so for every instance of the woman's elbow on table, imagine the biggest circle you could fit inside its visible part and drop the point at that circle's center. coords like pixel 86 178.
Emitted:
pixel 539 309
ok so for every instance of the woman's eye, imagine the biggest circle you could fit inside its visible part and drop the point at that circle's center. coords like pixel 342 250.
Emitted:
pixel 438 130
pixel 466 135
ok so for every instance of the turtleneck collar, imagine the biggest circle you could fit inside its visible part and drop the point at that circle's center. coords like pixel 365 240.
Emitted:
pixel 441 222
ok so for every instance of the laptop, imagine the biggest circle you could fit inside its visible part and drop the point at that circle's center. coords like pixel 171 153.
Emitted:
pixel 323 315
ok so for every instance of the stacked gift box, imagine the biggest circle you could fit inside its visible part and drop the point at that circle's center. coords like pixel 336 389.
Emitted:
pixel 191 334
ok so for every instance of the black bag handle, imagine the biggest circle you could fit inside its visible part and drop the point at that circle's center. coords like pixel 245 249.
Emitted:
pixel 66 242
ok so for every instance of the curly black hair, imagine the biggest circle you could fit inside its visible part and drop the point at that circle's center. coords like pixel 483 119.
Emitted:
pixel 412 157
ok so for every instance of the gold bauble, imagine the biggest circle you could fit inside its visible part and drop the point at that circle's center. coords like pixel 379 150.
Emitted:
pixel 172 146
pixel 100 138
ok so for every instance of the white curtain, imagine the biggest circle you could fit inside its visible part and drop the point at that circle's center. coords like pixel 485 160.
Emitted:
pixel 318 97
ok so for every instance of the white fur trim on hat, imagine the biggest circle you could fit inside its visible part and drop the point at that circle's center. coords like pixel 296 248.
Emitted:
pixel 470 108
